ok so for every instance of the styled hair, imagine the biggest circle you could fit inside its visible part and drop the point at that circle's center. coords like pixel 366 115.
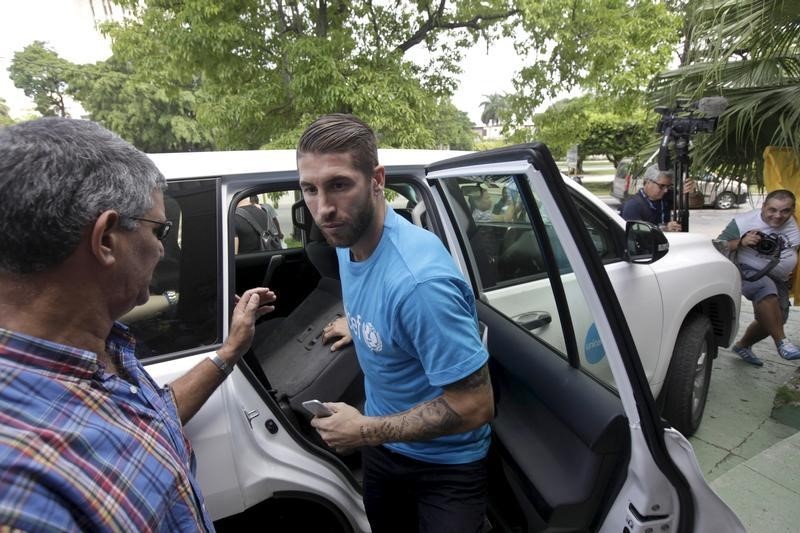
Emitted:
pixel 339 133
pixel 652 173
pixel 57 176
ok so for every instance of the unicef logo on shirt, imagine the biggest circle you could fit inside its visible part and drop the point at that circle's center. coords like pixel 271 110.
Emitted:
pixel 371 337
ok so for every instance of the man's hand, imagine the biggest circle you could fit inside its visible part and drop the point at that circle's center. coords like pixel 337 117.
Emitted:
pixel 342 431
pixel 249 307
pixel 673 226
pixel 193 388
pixel 465 405
pixel 337 330
pixel 751 238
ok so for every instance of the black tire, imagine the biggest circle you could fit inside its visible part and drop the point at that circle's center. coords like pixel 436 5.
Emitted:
pixel 689 375
pixel 725 200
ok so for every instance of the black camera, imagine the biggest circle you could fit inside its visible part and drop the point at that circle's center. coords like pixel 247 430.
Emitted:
pixel 679 123
pixel 768 245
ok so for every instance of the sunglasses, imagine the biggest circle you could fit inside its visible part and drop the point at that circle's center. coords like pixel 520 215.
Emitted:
pixel 161 231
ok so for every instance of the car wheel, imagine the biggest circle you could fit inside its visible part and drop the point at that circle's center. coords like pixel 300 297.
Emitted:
pixel 689 375
pixel 725 200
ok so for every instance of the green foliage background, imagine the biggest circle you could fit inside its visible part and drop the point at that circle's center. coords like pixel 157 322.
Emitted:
pixel 244 74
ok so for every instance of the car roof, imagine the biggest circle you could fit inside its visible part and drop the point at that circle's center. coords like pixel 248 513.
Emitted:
pixel 204 164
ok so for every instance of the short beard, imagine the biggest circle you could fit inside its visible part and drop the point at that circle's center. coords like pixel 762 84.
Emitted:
pixel 355 230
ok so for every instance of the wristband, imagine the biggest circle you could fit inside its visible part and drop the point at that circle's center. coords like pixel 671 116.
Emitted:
pixel 172 297
pixel 225 368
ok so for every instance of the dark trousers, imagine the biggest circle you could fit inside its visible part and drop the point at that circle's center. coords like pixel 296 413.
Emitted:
pixel 403 495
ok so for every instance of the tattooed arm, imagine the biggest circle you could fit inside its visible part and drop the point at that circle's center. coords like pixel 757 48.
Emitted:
pixel 464 405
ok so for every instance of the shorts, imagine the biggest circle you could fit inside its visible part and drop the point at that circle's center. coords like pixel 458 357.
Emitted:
pixel 757 290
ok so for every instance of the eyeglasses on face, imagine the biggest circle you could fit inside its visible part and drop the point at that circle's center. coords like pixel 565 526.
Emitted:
pixel 161 231
pixel 662 186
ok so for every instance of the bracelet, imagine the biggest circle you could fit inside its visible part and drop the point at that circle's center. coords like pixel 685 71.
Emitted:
pixel 224 367
pixel 172 297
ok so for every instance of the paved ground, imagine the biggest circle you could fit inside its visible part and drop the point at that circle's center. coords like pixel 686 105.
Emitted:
pixel 750 459
pixel 737 424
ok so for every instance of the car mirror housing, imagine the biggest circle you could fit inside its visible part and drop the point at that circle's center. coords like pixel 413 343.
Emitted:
pixel 645 242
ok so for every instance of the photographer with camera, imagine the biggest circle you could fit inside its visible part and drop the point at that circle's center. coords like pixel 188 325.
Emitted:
pixel 652 202
pixel 764 244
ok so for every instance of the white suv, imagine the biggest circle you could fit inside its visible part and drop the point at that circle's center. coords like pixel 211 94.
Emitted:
pixel 586 322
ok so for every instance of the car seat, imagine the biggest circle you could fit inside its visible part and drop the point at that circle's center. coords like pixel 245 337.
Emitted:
pixel 296 363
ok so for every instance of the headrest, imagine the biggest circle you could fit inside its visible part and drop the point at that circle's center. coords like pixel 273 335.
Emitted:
pixel 319 252
pixel 301 217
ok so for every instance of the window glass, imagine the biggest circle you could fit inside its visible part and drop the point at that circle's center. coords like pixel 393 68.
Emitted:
pixel 182 312
pixel 511 256
pixel 263 223
pixel 600 230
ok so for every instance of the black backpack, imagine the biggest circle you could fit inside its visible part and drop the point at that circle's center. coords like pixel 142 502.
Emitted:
pixel 267 240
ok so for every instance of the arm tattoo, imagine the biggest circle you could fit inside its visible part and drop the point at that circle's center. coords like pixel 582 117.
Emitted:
pixel 474 382
pixel 425 421
pixel 429 419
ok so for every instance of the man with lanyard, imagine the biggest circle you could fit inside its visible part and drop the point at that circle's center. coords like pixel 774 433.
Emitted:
pixel 651 203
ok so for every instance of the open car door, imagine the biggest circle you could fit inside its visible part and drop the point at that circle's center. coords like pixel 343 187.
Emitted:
pixel 576 446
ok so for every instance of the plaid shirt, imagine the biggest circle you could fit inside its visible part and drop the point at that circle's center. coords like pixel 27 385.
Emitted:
pixel 81 449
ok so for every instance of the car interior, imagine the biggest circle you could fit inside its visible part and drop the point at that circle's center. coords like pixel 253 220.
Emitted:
pixel 560 438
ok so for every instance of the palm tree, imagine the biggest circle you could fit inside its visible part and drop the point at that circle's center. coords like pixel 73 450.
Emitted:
pixel 493 107
pixel 749 52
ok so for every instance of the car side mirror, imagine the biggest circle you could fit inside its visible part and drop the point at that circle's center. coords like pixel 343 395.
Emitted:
pixel 645 243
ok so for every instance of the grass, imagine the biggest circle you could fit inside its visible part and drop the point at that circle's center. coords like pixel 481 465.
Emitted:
pixel 599 171
pixel 788 394
pixel 598 187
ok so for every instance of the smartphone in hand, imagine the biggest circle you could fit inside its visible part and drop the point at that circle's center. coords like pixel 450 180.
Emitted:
pixel 317 408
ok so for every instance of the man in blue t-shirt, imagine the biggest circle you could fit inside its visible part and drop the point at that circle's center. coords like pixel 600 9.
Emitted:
pixel 412 318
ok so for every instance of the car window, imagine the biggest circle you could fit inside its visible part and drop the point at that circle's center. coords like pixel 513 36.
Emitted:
pixel 269 212
pixel 183 309
pixel 601 230
pixel 511 258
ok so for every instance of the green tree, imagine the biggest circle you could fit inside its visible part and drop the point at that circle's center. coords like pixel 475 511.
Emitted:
pixel 615 137
pixel 562 124
pixel 452 128
pixel 155 117
pixel 599 126
pixel 268 68
pixel 493 106
pixel 609 48
pixel 749 52
pixel 5 118
pixel 42 75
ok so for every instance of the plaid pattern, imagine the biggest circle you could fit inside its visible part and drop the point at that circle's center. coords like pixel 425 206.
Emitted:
pixel 81 449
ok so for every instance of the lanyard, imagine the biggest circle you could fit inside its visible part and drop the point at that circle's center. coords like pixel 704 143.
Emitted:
pixel 660 211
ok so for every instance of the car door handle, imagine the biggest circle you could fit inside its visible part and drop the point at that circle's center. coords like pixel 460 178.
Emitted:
pixel 533 319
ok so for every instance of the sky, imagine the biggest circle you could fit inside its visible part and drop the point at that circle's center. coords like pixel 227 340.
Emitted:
pixel 68 28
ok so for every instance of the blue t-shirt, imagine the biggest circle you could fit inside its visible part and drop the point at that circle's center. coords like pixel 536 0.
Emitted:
pixel 414 326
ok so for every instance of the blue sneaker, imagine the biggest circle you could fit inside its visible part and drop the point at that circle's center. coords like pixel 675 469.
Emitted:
pixel 787 350
pixel 747 355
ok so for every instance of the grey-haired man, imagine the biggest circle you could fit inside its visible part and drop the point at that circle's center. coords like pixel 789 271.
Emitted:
pixel 88 441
